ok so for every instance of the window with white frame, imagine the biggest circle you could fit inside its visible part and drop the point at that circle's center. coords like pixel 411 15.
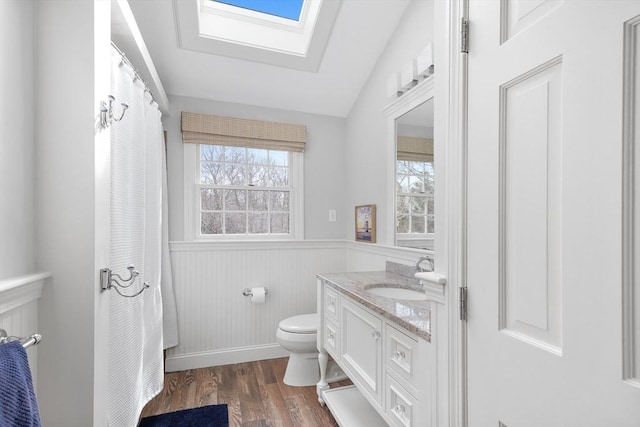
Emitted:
pixel 246 185
pixel 244 191
pixel 414 191
pixel 415 197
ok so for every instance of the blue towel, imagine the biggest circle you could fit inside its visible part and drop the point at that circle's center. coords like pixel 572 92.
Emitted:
pixel 18 405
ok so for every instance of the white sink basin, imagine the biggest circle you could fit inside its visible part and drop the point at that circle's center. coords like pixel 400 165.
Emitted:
pixel 397 293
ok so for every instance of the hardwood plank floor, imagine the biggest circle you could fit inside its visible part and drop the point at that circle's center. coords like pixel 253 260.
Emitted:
pixel 253 391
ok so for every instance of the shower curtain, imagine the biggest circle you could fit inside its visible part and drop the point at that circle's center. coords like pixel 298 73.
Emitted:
pixel 136 324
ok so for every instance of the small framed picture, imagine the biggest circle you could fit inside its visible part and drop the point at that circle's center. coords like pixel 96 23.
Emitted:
pixel 366 223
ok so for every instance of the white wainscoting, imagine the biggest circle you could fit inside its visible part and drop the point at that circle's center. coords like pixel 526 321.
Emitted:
pixel 19 311
pixel 217 325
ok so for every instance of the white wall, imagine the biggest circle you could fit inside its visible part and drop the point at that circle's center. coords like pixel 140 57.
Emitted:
pixel 17 139
pixel 366 137
pixel 72 75
pixel 324 162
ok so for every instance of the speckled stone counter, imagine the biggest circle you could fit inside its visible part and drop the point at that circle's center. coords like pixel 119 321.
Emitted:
pixel 412 315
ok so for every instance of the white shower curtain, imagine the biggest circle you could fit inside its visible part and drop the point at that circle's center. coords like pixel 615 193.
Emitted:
pixel 169 310
pixel 136 324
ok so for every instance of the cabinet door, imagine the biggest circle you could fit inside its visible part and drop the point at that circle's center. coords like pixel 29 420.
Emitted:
pixel 361 349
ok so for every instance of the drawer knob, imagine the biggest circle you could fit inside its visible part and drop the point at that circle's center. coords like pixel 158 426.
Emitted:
pixel 400 355
pixel 375 335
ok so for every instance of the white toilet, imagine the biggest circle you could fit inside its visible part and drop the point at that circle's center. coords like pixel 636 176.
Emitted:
pixel 297 335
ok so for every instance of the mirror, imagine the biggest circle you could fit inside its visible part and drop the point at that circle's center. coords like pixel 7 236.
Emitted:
pixel 414 177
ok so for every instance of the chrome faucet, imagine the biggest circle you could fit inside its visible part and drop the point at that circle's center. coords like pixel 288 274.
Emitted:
pixel 423 259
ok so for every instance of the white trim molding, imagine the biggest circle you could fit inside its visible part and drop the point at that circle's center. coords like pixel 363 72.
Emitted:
pixel 225 245
pixel 451 223
pixel 226 30
pixel 19 291
pixel 191 162
pixel 224 357
pixel 392 252
pixel 630 201
pixel 127 36
pixel 407 102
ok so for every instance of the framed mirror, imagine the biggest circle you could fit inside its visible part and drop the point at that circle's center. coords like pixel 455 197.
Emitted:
pixel 414 187
pixel 411 191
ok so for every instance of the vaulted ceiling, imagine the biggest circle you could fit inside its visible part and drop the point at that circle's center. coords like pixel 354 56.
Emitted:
pixel 325 80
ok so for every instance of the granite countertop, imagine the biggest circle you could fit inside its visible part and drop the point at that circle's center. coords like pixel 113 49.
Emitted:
pixel 412 315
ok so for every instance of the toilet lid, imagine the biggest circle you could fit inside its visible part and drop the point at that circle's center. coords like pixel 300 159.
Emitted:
pixel 302 324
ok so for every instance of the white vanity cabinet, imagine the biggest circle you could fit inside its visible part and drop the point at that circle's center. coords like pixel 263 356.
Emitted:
pixel 392 369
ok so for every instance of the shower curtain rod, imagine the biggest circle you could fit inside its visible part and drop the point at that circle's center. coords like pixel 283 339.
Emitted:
pixel 126 60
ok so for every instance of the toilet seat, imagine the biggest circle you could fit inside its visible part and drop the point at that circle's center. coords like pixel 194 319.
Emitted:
pixel 301 324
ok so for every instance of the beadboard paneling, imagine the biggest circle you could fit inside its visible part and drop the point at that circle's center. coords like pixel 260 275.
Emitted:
pixel 218 325
pixel 213 315
pixel 19 311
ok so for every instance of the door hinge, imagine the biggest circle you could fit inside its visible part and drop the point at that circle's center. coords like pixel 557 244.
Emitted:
pixel 463 303
pixel 464 36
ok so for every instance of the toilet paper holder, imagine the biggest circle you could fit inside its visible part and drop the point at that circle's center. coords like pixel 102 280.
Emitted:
pixel 247 292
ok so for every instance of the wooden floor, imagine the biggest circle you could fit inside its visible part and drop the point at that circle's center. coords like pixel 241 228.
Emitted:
pixel 253 391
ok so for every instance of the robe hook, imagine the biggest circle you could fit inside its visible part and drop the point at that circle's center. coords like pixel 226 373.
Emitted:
pixel 106 112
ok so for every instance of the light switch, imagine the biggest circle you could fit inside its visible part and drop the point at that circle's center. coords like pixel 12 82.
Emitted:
pixel 332 215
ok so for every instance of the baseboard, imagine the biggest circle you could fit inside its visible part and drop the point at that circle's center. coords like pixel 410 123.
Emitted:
pixel 229 356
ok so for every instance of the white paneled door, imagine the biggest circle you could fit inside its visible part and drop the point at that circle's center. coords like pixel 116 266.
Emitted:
pixel 545 245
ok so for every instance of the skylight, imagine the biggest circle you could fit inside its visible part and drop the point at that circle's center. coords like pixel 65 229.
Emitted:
pixel 288 9
pixel 233 28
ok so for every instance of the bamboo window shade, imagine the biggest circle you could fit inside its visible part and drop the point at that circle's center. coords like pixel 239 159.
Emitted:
pixel 218 130
pixel 414 149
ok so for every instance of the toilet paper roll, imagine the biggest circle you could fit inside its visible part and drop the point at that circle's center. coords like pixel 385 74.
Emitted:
pixel 258 296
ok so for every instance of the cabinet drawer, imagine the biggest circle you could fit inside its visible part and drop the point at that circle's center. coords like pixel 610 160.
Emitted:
pixel 401 407
pixel 331 301
pixel 332 339
pixel 402 355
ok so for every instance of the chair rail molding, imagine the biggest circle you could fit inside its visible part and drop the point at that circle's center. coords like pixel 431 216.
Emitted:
pixel 21 290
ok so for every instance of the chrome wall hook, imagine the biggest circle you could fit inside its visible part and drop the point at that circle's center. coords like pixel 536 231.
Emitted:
pixel 106 112
pixel 110 280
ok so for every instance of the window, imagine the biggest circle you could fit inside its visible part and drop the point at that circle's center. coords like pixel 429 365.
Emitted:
pixel 244 191
pixel 243 178
pixel 414 204
pixel 289 9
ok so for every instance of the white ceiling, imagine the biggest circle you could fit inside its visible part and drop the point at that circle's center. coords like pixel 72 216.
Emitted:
pixel 360 33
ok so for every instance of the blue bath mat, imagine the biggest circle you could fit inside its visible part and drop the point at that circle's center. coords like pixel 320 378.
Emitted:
pixel 206 416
